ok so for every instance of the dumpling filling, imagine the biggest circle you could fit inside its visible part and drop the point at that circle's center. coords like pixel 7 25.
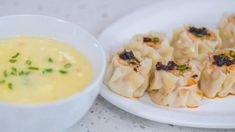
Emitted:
pixel 154 42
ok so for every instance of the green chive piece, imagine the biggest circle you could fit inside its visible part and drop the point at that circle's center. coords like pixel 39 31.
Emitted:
pixel 2 81
pixel 14 69
pixel 16 55
pixel 12 60
pixel 156 40
pixel 47 70
pixel 62 71
pixel 10 86
pixel 68 65
pixel 28 62
pixel 232 53
pixel 182 67
pixel 21 73
pixel 203 37
pixel 27 73
pixel 50 60
pixel 5 74
pixel 33 68
pixel 13 73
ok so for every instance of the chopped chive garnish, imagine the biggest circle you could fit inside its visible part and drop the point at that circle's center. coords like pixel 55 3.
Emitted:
pixel 16 55
pixel 28 62
pixel 21 73
pixel 14 69
pixel 50 60
pixel 47 70
pixel 10 86
pixel 182 67
pixel 2 81
pixel 62 71
pixel 13 73
pixel 156 40
pixel 5 74
pixel 12 60
pixel 33 68
pixel 27 73
pixel 68 65
pixel 232 53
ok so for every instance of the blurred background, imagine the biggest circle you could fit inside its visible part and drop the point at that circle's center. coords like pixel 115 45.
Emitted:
pixel 95 15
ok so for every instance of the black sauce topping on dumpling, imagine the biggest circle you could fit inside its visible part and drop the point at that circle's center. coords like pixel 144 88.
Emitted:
pixel 171 65
pixel 224 60
pixel 129 57
pixel 159 66
pixel 195 76
pixel 146 39
pixel 199 32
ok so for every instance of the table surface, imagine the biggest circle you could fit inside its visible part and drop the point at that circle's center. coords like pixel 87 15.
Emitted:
pixel 95 16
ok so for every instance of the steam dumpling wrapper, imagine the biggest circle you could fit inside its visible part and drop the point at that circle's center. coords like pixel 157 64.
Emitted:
pixel 227 31
pixel 153 45
pixel 218 76
pixel 128 74
pixel 195 43
pixel 176 85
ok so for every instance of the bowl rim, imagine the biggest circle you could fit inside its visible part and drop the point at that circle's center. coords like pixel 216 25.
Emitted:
pixel 95 81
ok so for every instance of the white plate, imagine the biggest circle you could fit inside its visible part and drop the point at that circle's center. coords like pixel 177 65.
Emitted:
pixel 164 17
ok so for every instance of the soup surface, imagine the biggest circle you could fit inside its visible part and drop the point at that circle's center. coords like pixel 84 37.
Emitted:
pixel 39 69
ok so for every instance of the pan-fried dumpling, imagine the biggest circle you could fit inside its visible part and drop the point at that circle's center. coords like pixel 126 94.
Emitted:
pixel 218 76
pixel 227 31
pixel 153 45
pixel 192 42
pixel 128 74
pixel 176 85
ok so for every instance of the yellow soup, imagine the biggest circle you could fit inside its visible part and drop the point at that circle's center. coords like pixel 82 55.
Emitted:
pixel 38 69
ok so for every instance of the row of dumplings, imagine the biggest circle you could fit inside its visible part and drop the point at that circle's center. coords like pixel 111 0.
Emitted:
pixel 198 62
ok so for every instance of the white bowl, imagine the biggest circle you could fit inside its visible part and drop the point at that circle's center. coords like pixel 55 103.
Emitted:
pixel 61 114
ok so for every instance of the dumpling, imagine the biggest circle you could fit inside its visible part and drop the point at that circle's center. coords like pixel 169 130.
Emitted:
pixel 218 76
pixel 128 74
pixel 153 45
pixel 176 85
pixel 192 42
pixel 227 31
